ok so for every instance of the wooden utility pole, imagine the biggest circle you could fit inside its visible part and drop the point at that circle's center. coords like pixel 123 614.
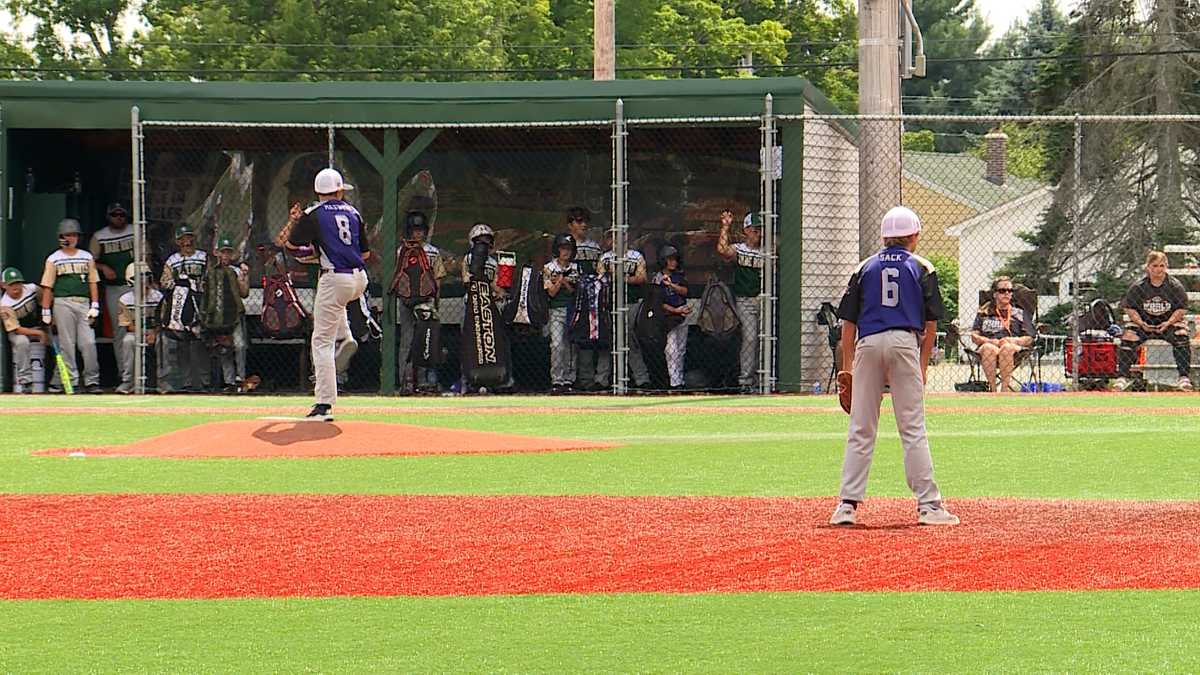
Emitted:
pixel 878 94
pixel 604 47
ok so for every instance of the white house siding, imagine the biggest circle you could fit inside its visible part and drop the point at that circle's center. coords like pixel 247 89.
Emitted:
pixel 987 242
pixel 830 228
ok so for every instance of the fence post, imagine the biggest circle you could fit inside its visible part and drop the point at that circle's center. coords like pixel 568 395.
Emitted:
pixel 620 249
pixel 137 183
pixel 332 145
pixel 767 296
pixel 5 206
pixel 1076 345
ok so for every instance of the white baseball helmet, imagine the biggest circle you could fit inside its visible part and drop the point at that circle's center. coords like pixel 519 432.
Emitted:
pixel 899 222
pixel 133 269
pixel 329 181
pixel 480 230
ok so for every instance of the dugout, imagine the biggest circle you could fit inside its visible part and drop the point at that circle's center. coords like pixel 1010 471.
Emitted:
pixel 512 153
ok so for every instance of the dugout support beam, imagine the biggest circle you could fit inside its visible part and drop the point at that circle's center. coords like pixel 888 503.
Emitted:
pixel 391 164
pixel 790 249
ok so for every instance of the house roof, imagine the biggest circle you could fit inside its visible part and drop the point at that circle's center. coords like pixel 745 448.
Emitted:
pixel 961 177
pixel 1000 212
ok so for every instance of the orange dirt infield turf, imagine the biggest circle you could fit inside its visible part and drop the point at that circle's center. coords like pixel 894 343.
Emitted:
pixel 216 546
pixel 279 438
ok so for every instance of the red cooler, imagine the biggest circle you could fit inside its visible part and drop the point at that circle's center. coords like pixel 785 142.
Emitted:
pixel 506 267
pixel 1099 359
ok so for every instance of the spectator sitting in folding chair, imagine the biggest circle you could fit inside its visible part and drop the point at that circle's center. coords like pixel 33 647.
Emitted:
pixel 1002 333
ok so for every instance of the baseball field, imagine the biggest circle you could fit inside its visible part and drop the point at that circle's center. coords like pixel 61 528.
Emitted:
pixel 590 533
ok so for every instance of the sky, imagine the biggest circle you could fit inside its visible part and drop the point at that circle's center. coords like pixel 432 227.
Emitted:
pixel 1002 13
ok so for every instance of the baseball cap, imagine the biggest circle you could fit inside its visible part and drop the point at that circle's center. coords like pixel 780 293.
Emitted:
pixel 329 181
pixel 752 219
pixel 224 243
pixel 116 207
pixel 899 222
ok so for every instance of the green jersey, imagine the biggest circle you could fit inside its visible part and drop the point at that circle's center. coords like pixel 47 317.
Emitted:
pixel 68 275
pixel 747 275
pixel 114 249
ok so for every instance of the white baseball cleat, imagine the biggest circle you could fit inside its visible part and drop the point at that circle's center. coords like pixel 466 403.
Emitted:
pixel 1184 383
pixel 1121 384
pixel 844 514
pixel 935 514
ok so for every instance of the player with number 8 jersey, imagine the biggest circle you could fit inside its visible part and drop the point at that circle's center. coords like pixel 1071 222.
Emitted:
pixel 889 316
pixel 332 230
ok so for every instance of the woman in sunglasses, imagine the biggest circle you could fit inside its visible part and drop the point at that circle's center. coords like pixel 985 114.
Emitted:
pixel 1001 332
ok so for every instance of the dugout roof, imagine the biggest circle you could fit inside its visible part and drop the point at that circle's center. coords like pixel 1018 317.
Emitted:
pixel 106 105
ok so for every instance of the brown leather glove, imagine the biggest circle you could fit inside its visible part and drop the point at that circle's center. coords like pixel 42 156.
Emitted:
pixel 845 384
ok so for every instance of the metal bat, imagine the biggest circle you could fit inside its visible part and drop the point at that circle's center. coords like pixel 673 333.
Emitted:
pixel 63 374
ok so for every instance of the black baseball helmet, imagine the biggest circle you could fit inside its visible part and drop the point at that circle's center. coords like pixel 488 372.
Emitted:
pixel 415 220
pixel 563 239
pixel 667 251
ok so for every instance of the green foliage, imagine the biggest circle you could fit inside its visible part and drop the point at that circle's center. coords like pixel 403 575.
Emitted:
pixel 1012 87
pixel 918 141
pixel 947 276
pixel 1027 155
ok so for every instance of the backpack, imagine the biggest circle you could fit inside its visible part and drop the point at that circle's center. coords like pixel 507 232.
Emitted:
pixel 718 317
pixel 180 313
pixel 223 307
pixel 529 309
pixel 650 323
pixel 413 282
pixel 283 316
pixel 363 325
pixel 590 324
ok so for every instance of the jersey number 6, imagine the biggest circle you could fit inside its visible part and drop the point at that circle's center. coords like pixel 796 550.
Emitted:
pixel 891 289
pixel 343 226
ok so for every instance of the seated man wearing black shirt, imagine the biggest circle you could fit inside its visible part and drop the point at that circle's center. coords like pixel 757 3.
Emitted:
pixel 1154 309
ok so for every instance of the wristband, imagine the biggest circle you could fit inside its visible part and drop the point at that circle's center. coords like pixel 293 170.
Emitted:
pixel 96 306
pixel 46 315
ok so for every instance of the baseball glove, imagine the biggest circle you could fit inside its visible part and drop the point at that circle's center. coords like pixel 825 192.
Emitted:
pixel 845 383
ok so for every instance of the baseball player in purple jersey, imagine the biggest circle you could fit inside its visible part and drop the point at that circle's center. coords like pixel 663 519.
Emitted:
pixel 332 230
pixel 889 314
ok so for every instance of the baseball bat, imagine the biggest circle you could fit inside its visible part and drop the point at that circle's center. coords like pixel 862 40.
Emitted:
pixel 63 374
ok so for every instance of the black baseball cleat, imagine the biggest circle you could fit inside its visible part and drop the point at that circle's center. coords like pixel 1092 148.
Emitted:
pixel 321 412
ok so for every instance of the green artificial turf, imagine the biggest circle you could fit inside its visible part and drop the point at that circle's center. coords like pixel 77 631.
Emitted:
pixel 1129 447
pixel 799 632
pixel 667 447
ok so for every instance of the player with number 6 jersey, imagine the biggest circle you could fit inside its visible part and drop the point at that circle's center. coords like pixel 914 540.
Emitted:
pixel 332 230
pixel 889 317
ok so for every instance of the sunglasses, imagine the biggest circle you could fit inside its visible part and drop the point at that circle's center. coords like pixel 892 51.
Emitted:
pixel 1004 290
pixel 116 214
pixel 577 220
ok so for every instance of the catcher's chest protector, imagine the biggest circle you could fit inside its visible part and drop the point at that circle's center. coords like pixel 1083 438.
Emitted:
pixel 283 316
pixel 414 282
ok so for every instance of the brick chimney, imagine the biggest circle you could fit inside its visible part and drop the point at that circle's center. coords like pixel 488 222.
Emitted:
pixel 996 156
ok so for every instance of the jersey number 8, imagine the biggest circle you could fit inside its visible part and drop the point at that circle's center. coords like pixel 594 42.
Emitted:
pixel 343 226
pixel 891 289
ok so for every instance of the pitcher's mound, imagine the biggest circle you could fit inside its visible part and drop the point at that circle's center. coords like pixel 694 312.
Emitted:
pixel 293 438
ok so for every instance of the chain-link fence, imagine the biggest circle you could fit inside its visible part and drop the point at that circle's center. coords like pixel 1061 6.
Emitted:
pixel 705 254
pixel 583 217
